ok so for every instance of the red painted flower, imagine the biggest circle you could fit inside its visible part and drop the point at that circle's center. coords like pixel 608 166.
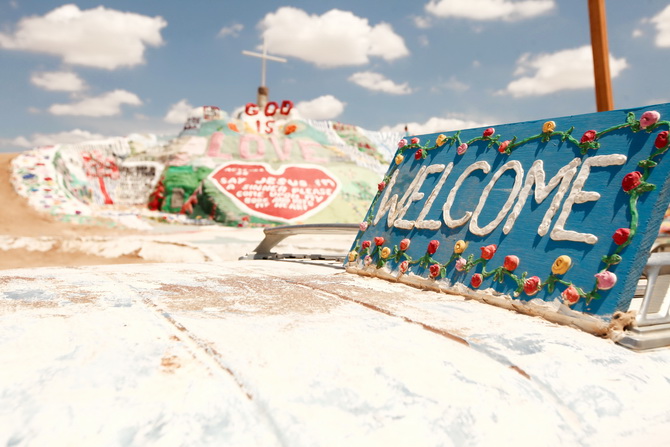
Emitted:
pixel 476 280
pixel 488 132
pixel 415 140
pixel 503 146
pixel 379 241
pixel 404 265
pixel 432 246
pixel 511 263
pixel 404 244
pixel 621 236
pixel 588 136
pixel 418 154
pixel 489 251
pixel 381 186
pixel 570 295
pixel 631 181
pixel 532 285
pixel 365 245
pixel 434 270
pixel 661 140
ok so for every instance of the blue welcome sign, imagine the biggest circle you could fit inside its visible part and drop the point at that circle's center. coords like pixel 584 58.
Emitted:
pixel 566 208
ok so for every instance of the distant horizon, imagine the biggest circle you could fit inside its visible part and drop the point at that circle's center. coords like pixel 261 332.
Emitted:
pixel 433 66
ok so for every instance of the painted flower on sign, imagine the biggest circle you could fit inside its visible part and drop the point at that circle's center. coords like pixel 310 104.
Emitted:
pixel 476 280
pixel 367 260
pixel 399 159
pixel 432 246
pixel 379 241
pixel 404 265
pixel 415 140
pixel 460 246
pixel 649 118
pixel 381 186
pixel 404 244
pixel 561 265
pixel 661 140
pixel 441 139
pixel 570 295
pixel 631 181
pixel 352 255
pixel 511 263
pixel 532 285
pixel 402 143
pixel 488 251
pixel 365 245
pixel 418 155
pixel 462 149
pixel 621 236
pixel 488 132
pixel 548 127
pixel 363 226
pixel 460 264
pixel 434 270
pixel 503 146
pixel 589 136
pixel 385 253
pixel 605 280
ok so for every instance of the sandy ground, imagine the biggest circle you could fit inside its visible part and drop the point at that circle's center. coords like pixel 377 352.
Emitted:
pixel 18 219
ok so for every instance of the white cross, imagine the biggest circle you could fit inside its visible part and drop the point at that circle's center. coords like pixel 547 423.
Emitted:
pixel 264 56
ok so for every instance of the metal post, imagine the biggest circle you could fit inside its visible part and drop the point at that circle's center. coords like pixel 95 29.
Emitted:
pixel 601 66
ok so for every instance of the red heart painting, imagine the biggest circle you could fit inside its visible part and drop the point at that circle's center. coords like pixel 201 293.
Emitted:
pixel 294 192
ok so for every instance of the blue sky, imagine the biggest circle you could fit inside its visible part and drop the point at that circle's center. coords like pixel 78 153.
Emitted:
pixel 76 71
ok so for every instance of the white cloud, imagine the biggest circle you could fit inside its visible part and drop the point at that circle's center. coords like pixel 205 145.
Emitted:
pixel 232 30
pixel 179 112
pixel 564 70
pixel 637 33
pixel 422 22
pixel 489 9
pixel 452 84
pixel 63 81
pixel 107 104
pixel 40 139
pixel 378 82
pixel 434 125
pixel 336 38
pixel 322 108
pixel 662 23
pixel 99 37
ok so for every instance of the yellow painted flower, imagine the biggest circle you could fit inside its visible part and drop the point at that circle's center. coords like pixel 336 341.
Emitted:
pixel 386 252
pixel 441 139
pixel 549 126
pixel 398 159
pixel 561 265
pixel 460 246
pixel 352 255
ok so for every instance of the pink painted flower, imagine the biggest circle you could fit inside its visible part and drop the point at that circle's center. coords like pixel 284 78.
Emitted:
pixel 503 146
pixel 418 155
pixel 489 251
pixel 649 118
pixel 462 149
pixel 605 280
pixel 363 226
pixel 402 143
pixel 367 260
pixel 379 241
pixel 476 280
pixel 511 263
pixel 404 265
pixel 621 236
pixel 404 244
pixel 460 264
pixel 365 245
pixel 570 295
pixel 434 270
pixel 532 285
pixel 432 246
pixel 631 181
pixel 488 132
pixel 415 140
pixel 589 135
pixel 661 140
pixel 381 186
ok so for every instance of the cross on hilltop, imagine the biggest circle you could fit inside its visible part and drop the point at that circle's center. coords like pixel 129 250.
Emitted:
pixel 263 90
